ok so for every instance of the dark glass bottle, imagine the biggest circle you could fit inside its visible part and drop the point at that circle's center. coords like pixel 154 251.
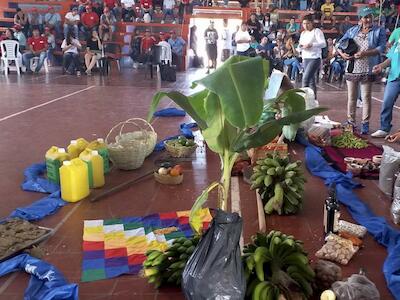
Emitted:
pixel 331 212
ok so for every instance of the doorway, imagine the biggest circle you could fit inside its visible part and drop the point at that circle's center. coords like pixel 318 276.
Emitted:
pixel 202 24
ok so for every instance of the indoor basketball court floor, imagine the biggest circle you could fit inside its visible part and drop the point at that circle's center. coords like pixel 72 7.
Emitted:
pixel 37 112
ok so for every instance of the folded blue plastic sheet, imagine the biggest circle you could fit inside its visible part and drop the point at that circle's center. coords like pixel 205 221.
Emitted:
pixel 170 112
pixel 35 182
pixel 46 283
pixel 41 208
pixel 377 226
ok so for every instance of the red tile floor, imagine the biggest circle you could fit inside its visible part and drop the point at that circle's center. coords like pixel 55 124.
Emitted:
pixel 37 112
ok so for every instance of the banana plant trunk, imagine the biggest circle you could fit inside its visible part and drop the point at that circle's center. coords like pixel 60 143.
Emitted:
pixel 228 160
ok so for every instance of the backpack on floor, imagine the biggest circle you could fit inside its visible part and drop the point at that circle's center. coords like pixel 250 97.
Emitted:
pixel 168 73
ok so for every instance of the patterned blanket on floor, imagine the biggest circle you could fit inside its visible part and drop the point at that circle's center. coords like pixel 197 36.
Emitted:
pixel 117 246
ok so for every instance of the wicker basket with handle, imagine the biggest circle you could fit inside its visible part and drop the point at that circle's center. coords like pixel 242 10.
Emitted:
pixel 129 149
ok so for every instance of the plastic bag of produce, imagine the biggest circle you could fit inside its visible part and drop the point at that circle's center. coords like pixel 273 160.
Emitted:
pixel 353 229
pixel 215 270
pixel 395 208
pixel 337 249
pixel 326 273
pixel 389 166
pixel 357 287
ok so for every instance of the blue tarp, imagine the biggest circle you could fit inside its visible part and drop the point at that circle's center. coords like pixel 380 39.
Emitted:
pixel 185 129
pixel 377 226
pixel 170 112
pixel 34 182
pixel 46 283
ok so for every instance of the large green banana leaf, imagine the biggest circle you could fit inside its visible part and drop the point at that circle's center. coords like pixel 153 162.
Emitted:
pixel 240 84
pixel 266 132
pixel 193 105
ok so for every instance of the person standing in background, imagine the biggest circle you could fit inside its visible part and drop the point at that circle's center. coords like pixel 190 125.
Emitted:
pixel 211 37
pixel 177 44
pixel 311 42
pixel 243 39
pixel 371 43
pixel 234 44
pixel 227 42
pixel 193 39
pixel 392 90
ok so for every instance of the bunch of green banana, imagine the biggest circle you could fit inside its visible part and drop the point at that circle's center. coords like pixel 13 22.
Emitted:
pixel 276 264
pixel 348 140
pixel 280 184
pixel 167 267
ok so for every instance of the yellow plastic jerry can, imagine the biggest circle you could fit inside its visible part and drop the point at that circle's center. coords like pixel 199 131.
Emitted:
pixel 54 159
pixel 74 180
pixel 76 147
pixel 95 167
pixel 101 147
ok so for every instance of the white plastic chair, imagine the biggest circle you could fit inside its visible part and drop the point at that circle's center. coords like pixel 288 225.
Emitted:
pixel 8 50
pixel 35 61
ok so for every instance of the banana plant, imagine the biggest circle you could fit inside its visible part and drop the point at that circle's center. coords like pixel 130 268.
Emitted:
pixel 228 112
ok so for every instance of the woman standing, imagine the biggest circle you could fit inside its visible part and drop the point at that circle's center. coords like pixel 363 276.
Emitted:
pixel 370 42
pixel 392 90
pixel 311 42
pixel 93 52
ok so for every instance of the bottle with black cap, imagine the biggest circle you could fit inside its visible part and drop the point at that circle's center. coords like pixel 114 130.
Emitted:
pixel 331 211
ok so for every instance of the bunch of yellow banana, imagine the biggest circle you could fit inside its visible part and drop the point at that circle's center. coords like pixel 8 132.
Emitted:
pixel 167 267
pixel 280 184
pixel 276 264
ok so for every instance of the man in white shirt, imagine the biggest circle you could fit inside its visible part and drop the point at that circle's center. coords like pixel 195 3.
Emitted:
pixel 71 22
pixel 128 12
pixel 227 40
pixel 242 39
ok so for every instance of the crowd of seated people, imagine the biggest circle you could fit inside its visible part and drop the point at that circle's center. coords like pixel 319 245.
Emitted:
pixel 95 20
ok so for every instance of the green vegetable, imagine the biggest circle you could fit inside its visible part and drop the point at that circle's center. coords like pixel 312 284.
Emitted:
pixel 348 140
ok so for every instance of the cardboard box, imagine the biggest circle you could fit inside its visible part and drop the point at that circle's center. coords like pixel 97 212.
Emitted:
pixel 261 152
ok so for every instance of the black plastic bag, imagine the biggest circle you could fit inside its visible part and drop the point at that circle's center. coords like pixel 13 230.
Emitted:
pixel 215 270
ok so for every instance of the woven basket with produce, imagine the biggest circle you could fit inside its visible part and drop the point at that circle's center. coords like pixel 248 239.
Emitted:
pixel 131 148
pixel 180 147
pixel 169 175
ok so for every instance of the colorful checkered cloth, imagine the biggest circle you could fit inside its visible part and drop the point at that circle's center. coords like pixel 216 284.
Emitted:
pixel 118 246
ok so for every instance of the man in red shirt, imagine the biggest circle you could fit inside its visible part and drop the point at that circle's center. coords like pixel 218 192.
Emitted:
pixel 37 48
pixel 148 41
pixel 90 20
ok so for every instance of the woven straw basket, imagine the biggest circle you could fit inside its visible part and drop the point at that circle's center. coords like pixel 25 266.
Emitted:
pixel 168 179
pixel 131 148
pixel 179 150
